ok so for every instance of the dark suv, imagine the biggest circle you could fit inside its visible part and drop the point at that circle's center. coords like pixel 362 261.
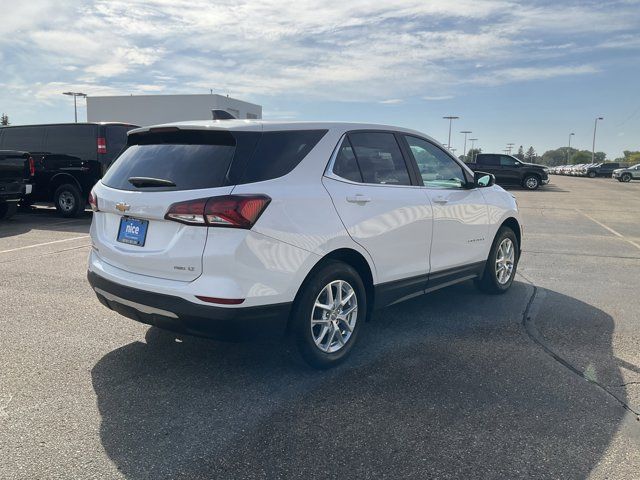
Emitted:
pixel 69 158
pixel 602 169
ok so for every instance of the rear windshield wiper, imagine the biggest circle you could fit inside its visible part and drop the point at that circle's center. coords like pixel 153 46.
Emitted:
pixel 142 182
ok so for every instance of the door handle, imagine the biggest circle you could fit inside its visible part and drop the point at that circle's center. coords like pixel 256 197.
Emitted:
pixel 358 198
pixel 440 200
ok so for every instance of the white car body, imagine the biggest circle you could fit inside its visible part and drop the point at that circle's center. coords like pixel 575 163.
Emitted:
pixel 406 234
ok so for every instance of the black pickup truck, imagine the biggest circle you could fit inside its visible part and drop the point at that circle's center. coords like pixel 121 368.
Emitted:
pixel 16 171
pixel 69 159
pixel 509 170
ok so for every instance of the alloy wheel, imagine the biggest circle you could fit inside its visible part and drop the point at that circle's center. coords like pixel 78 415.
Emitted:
pixel 66 201
pixel 504 261
pixel 334 316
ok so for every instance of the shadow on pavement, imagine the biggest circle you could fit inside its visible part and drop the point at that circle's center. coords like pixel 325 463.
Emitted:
pixel 447 386
pixel 43 219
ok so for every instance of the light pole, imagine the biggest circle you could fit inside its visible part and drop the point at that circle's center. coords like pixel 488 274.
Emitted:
pixel 593 148
pixel 451 118
pixel 569 149
pixel 464 152
pixel 75 106
pixel 510 146
pixel 473 151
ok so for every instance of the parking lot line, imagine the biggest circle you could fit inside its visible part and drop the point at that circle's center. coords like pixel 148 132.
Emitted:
pixel 43 244
pixel 610 229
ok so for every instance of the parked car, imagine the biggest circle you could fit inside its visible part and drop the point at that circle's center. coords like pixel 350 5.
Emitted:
pixel 602 169
pixel 69 159
pixel 509 170
pixel 627 174
pixel 16 171
pixel 229 228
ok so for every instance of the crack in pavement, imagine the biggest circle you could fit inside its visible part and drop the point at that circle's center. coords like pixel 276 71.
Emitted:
pixel 531 330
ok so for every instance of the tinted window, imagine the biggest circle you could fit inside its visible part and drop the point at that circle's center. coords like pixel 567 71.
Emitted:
pixel 277 153
pixel 28 139
pixel 116 138
pixel 379 158
pixel 438 170
pixel 346 165
pixel 506 161
pixel 191 160
pixel 488 159
pixel 73 140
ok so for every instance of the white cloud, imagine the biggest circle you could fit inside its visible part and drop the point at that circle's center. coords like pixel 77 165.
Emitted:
pixel 438 98
pixel 356 50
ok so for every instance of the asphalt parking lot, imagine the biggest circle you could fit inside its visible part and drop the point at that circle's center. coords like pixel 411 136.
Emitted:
pixel 541 382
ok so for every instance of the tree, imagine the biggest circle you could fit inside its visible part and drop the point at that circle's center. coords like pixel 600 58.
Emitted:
pixel 473 152
pixel 582 156
pixel 530 156
pixel 520 154
pixel 600 157
pixel 4 119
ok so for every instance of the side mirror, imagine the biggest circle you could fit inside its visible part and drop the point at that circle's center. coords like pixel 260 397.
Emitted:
pixel 483 179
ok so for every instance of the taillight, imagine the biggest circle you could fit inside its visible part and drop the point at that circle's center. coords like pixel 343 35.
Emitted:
pixel 32 167
pixel 102 145
pixel 93 201
pixel 232 211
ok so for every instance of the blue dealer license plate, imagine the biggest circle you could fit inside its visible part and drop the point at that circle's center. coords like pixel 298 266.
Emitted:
pixel 133 231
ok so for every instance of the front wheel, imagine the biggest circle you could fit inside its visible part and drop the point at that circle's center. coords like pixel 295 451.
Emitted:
pixel 626 177
pixel 531 182
pixel 68 201
pixel 328 314
pixel 502 263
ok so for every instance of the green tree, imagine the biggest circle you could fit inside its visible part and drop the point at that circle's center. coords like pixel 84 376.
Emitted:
pixel 520 154
pixel 471 155
pixel 582 156
pixel 4 119
pixel 530 156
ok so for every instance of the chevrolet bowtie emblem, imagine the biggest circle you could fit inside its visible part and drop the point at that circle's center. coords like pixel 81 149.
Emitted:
pixel 123 207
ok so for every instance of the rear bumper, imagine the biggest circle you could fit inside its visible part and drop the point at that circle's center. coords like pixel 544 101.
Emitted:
pixel 180 315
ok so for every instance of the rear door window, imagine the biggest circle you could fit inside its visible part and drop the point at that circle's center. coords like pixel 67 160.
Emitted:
pixel 488 159
pixel 79 141
pixel 379 158
pixel 28 139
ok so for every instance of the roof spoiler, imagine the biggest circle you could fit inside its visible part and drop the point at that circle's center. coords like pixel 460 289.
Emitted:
pixel 222 115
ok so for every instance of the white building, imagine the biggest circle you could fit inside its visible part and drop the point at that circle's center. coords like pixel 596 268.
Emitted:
pixel 146 110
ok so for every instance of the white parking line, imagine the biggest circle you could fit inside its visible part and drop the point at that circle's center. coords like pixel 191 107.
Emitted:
pixel 43 244
pixel 610 229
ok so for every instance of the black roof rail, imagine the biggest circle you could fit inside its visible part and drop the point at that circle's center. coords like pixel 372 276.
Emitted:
pixel 222 115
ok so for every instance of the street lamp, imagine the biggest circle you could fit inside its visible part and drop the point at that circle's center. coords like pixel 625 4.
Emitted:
pixel 75 106
pixel 451 118
pixel 569 149
pixel 510 146
pixel 473 152
pixel 593 148
pixel 464 152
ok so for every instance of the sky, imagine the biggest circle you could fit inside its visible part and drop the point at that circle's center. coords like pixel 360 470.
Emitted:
pixel 522 72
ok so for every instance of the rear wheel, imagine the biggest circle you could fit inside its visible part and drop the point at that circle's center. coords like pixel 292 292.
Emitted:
pixel 68 200
pixel 591 174
pixel 626 177
pixel 328 314
pixel 7 210
pixel 502 263
pixel 531 182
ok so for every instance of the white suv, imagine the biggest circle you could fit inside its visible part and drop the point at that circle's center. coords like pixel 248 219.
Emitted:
pixel 228 228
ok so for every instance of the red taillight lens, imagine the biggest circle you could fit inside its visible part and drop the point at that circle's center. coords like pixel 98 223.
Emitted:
pixel 102 145
pixel 93 201
pixel 32 167
pixel 232 211
pixel 222 301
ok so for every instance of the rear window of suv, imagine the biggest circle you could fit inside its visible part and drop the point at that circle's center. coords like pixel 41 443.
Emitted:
pixel 196 159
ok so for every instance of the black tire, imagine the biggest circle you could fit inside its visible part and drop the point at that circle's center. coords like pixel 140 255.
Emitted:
pixel 531 182
pixel 591 174
pixel 69 201
pixel 7 210
pixel 489 283
pixel 301 327
pixel 625 177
